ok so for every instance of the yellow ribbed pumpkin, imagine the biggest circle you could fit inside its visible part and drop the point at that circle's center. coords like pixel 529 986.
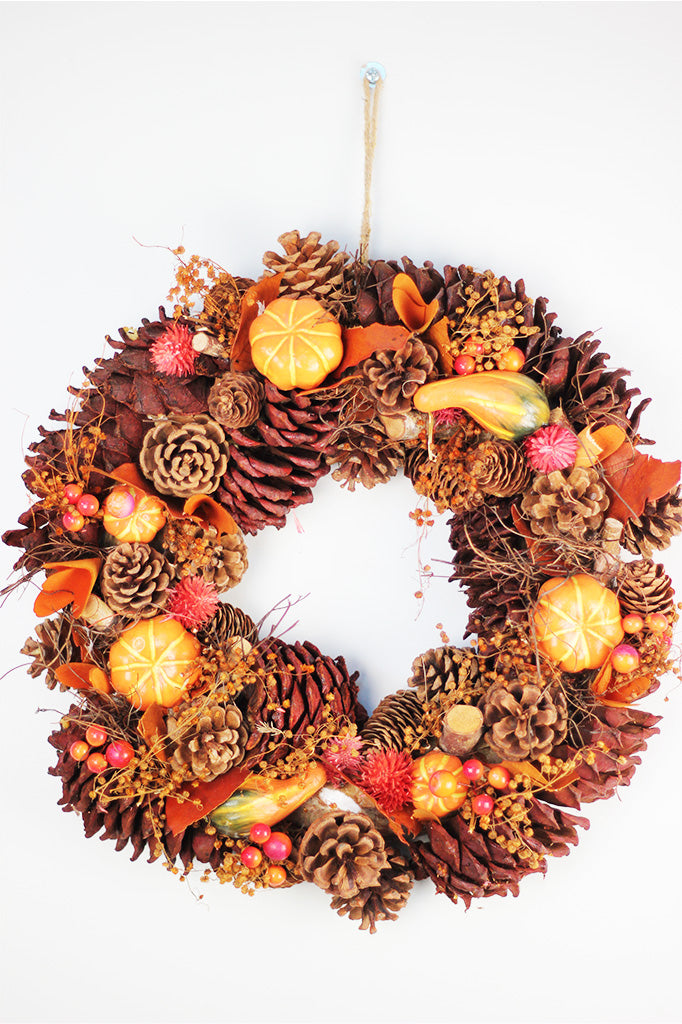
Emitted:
pixel 439 785
pixel 130 515
pixel 295 343
pixel 154 662
pixel 577 622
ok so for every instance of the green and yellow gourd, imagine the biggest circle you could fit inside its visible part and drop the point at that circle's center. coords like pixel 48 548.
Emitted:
pixel 508 405
pixel 266 800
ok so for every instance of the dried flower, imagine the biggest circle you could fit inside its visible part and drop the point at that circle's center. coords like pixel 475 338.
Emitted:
pixel 193 601
pixel 387 776
pixel 173 353
pixel 551 448
pixel 447 417
pixel 342 757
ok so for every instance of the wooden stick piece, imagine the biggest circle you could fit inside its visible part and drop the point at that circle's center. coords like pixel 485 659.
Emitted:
pixel 462 729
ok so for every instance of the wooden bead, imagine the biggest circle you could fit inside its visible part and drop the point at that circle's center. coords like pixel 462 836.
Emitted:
pixel 295 343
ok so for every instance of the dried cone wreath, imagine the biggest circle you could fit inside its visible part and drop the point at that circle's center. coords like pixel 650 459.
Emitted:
pixel 176 445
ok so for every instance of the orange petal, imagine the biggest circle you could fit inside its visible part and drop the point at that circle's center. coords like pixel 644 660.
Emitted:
pixel 410 306
pixel 601 681
pixel 263 292
pixel 361 342
pixel 152 729
pixel 598 444
pixel 438 335
pixel 70 582
pixel 209 511
pixel 203 799
pixel 83 676
pixel 128 473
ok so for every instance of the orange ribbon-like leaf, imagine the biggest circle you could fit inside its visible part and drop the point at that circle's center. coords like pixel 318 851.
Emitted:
pixel 203 799
pixel 361 342
pixel 152 729
pixel 69 583
pixel 597 445
pixel 410 306
pixel 633 479
pixel 264 291
pixel 438 335
pixel 83 676
pixel 210 511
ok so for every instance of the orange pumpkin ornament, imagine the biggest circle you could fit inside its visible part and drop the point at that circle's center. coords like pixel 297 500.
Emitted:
pixel 439 785
pixel 130 515
pixel 154 662
pixel 295 343
pixel 577 622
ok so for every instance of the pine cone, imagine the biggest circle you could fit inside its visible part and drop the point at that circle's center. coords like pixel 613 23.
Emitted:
pixel 222 307
pixel 395 722
pixel 446 479
pixel 296 686
pixel 569 502
pixel 208 738
pixel 311 269
pixel 499 468
pixel 375 289
pixel 644 587
pixel 227 622
pixel 135 580
pixel 235 400
pixel 363 454
pixel 274 464
pixel 524 720
pixel 659 522
pixel 381 902
pixel 342 853
pixel 416 459
pixel 196 549
pixel 394 377
pixel 53 646
pixel 448 671
pixel 184 457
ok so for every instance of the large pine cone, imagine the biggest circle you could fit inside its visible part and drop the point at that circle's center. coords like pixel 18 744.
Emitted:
pixel 395 722
pixel 135 580
pixel 207 738
pixel 450 672
pixel 375 288
pixel 274 464
pixel 499 468
pixel 197 549
pixel 569 503
pixel 645 587
pixel 394 377
pixel 184 458
pixel 523 719
pixel 228 621
pixel 53 646
pixel 342 853
pixel 363 454
pixel 382 901
pixel 235 400
pixel 295 687
pixel 310 269
pixel 659 522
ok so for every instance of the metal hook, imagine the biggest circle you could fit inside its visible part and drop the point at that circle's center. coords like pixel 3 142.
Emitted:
pixel 374 73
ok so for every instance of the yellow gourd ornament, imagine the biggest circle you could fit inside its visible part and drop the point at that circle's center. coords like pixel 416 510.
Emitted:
pixel 295 343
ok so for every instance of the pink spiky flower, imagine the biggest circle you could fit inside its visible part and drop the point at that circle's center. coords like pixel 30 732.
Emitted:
pixel 172 353
pixel 387 776
pixel 447 417
pixel 193 601
pixel 342 758
pixel 550 448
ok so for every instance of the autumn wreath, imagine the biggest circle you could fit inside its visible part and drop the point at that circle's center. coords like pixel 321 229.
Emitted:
pixel 196 735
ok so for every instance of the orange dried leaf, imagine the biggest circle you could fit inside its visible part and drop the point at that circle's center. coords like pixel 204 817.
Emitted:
pixel 633 479
pixel 69 583
pixel 410 306
pixel 152 729
pixel 83 676
pixel 438 335
pixel 361 342
pixel 203 507
pixel 128 473
pixel 263 292
pixel 597 445
pixel 203 799
pixel 601 681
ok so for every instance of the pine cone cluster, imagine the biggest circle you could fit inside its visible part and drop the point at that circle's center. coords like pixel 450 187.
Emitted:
pixel 654 529
pixel 394 377
pixel 380 902
pixel 364 455
pixel 196 549
pixel 235 400
pixel 566 503
pixel 644 588
pixel 499 468
pixel 523 719
pixel 135 580
pixel 395 722
pixel 208 738
pixel 53 646
pixel 448 672
pixel 184 458
pixel 342 853
pixel 309 268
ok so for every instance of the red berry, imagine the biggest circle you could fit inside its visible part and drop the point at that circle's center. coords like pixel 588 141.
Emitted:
pixel 97 762
pixel 278 846
pixel 251 857
pixel 482 804
pixel 633 623
pixel 656 622
pixel 119 754
pixel 87 505
pixel 276 875
pixel 73 521
pixel 473 769
pixel 260 832
pixel 625 658
pixel 79 750
pixel 72 493
pixel 464 365
pixel 96 736
pixel 498 777
pixel 512 360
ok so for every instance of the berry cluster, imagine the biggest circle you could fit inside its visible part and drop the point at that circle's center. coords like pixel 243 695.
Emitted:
pixel 81 506
pixel 117 754
pixel 275 845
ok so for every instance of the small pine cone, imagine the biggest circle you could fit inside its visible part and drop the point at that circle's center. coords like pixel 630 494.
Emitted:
pixel 394 377
pixel 184 457
pixel 394 723
pixel 207 738
pixel 235 400
pixel 450 672
pixel 222 306
pixel 499 468
pixel 309 268
pixel 363 454
pixel 53 646
pixel 524 719
pixel 196 549
pixel 381 902
pixel 569 503
pixel 227 622
pixel 416 460
pixel 135 580
pixel 342 853
pixel 644 587
pixel 659 522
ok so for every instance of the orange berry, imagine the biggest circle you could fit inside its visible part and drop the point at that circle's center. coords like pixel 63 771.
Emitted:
pixel 625 658
pixel 656 622
pixel 498 777
pixel 633 623
pixel 512 360
pixel 276 875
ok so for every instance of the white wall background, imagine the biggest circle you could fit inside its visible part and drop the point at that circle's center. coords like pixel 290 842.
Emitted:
pixel 536 139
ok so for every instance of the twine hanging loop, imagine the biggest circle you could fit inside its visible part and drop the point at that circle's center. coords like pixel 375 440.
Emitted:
pixel 373 79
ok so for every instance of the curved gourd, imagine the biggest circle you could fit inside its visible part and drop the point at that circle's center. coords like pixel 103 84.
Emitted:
pixel 266 800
